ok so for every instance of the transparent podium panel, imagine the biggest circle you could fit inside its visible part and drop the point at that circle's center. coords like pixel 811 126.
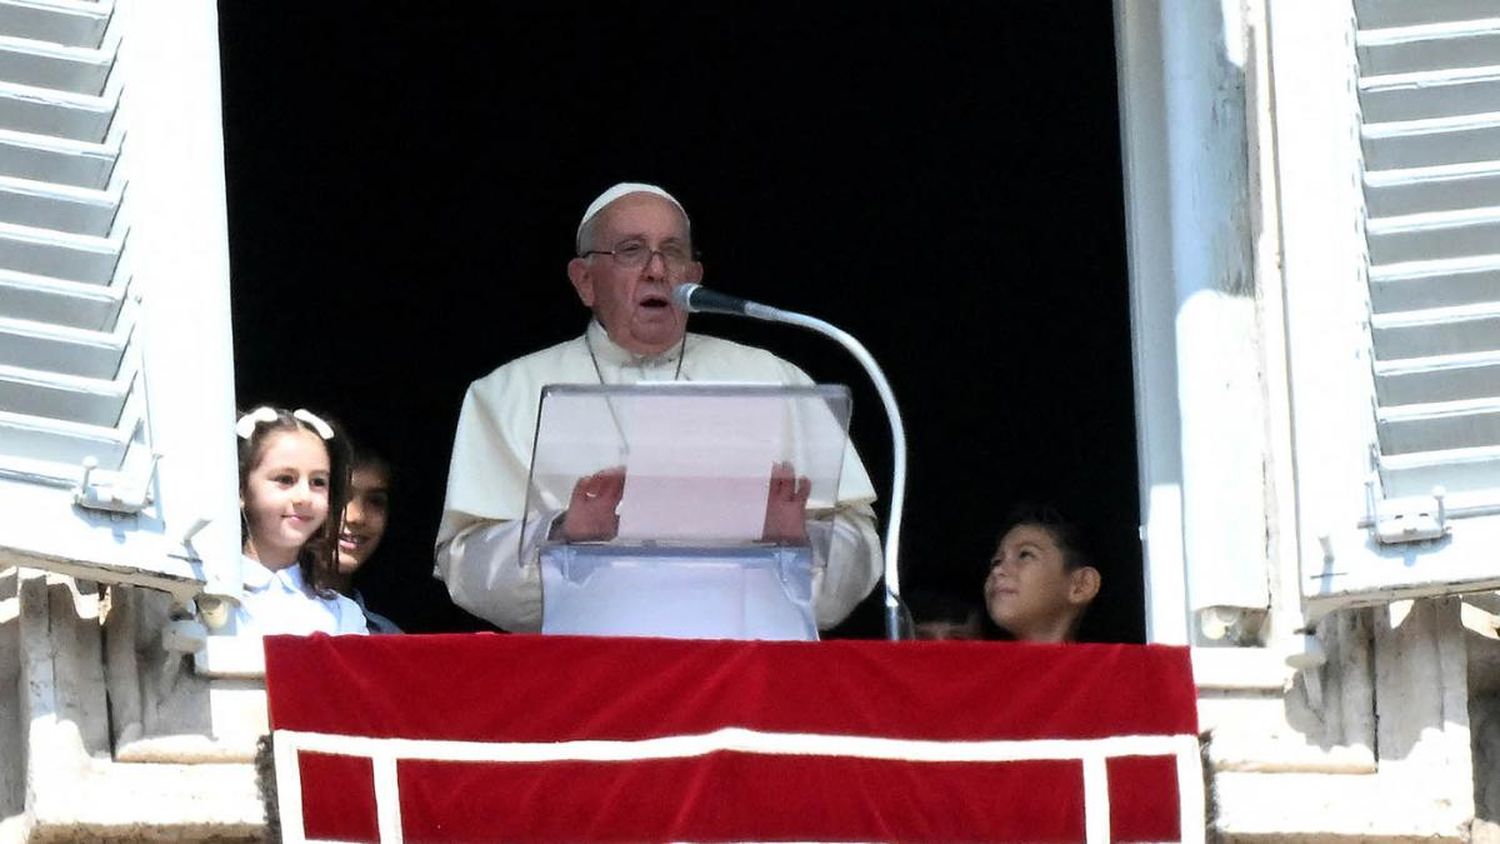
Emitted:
pixel 698 500
pixel 696 593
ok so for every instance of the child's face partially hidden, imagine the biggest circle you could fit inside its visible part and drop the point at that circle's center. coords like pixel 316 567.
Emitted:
pixel 946 631
pixel 364 517
pixel 1029 591
pixel 286 497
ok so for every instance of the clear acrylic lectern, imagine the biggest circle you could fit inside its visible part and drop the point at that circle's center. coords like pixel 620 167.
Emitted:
pixel 689 557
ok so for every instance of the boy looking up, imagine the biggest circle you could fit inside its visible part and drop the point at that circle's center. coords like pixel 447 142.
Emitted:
pixel 1042 577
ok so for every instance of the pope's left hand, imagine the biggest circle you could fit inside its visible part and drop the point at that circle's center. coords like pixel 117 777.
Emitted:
pixel 786 506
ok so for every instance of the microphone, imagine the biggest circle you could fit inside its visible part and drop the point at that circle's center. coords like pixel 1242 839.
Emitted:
pixel 695 298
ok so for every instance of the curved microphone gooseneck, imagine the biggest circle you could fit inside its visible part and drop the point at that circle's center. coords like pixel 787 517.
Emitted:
pixel 695 298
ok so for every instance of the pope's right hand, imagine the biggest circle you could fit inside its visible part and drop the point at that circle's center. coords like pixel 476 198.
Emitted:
pixel 591 513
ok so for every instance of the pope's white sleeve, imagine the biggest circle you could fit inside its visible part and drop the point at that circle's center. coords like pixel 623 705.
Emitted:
pixel 854 564
pixel 492 573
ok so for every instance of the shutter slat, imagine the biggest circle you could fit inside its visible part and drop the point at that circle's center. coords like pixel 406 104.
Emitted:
pixel 40 441
pixel 43 65
pixel 59 160
pixel 69 351
pixel 91 401
pixel 1429 94
pixel 1379 14
pixel 54 254
pixel 1393 193
pixel 1438 379
pixel 58 207
pixel 1432 142
pixel 1413 237
pixel 57 114
pixel 1433 285
pixel 1439 426
pixel 65 303
pixel 67 22
pixel 1439 331
pixel 1461 473
pixel 1424 47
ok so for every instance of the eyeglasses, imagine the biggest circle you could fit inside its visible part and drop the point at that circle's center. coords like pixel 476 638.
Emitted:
pixel 634 255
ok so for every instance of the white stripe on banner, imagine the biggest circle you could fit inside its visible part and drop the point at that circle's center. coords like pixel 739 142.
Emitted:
pixel 385 752
pixel 740 740
pixel 1095 798
pixel 288 789
pixel 1191 799
pixel 387 798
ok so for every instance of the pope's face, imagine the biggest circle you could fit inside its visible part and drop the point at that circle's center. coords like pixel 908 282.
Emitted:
pixel 634 304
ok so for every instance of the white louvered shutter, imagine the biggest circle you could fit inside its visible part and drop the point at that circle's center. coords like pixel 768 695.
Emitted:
pixel 1430 105
pixel 1400 488
pixel 116 390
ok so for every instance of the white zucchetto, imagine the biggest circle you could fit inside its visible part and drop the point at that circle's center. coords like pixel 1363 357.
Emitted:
pixel 614 193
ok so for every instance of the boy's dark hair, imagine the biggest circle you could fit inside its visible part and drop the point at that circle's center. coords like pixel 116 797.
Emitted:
pixel 1078 546
pixel 318 557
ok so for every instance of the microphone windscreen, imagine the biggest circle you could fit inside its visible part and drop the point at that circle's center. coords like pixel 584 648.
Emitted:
pixel 682 296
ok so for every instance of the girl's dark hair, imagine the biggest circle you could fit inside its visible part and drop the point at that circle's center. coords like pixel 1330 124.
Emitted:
pixel 364 456
pixel 317 557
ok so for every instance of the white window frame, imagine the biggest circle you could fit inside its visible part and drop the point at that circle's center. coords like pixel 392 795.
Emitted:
pixel 1204 392
pixel 1300 194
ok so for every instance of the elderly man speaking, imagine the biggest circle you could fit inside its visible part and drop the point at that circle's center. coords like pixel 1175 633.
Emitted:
pixel 634 245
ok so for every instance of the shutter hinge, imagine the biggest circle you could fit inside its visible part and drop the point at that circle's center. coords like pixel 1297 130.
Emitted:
pixel 113 497
pixel 1416 519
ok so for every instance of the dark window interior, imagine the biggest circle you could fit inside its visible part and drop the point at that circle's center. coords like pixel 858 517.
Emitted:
pixel 941 180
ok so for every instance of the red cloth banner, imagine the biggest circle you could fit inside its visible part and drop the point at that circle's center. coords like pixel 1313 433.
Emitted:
pixel 552 738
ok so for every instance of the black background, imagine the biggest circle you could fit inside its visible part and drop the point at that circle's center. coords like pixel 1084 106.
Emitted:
pixel 942 181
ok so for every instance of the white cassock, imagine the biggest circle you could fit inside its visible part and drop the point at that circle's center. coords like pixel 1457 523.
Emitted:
pixel 494 573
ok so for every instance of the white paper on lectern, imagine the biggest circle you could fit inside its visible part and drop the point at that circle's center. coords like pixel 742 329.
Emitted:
pixel 699 469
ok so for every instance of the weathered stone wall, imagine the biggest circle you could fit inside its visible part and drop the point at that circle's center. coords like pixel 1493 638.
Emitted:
pixel 12 748
pixel 66 780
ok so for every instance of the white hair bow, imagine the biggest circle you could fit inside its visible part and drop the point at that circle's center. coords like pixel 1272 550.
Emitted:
pixel 246 425
pixel 324 429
